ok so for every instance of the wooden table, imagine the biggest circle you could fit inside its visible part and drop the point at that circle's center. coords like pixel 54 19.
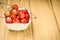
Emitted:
pixel 46 26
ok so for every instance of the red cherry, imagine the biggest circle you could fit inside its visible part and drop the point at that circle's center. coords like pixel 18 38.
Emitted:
pixel 20 11
pixel 16 20
pixel 22 15
pixel 8 20
pixel 14 12
pixel 15 6
pixel 13 16
pixel 7 13
pixel 24 20
pixel 27 16
pixel 18 17
pixel 25 11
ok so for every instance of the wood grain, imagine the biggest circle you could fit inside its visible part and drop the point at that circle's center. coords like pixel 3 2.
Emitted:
pixel 56 8
pixel 45 27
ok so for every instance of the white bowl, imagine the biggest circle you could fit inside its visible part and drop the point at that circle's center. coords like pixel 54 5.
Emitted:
pixel 18 26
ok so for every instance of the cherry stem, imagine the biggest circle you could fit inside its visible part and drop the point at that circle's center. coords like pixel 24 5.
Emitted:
pixel 5 3
pixel 33 16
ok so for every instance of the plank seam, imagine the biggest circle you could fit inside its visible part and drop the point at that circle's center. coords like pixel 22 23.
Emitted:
pixel 54 15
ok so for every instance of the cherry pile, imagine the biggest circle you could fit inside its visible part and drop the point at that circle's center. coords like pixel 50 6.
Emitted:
pixel 16 16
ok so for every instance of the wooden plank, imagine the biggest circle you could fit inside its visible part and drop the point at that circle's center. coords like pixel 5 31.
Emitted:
pixel 56 8
pixel 45 27
pixel 10 35
pixel 2 25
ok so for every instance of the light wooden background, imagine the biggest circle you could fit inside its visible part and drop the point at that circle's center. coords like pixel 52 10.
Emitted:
pixel 45 27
